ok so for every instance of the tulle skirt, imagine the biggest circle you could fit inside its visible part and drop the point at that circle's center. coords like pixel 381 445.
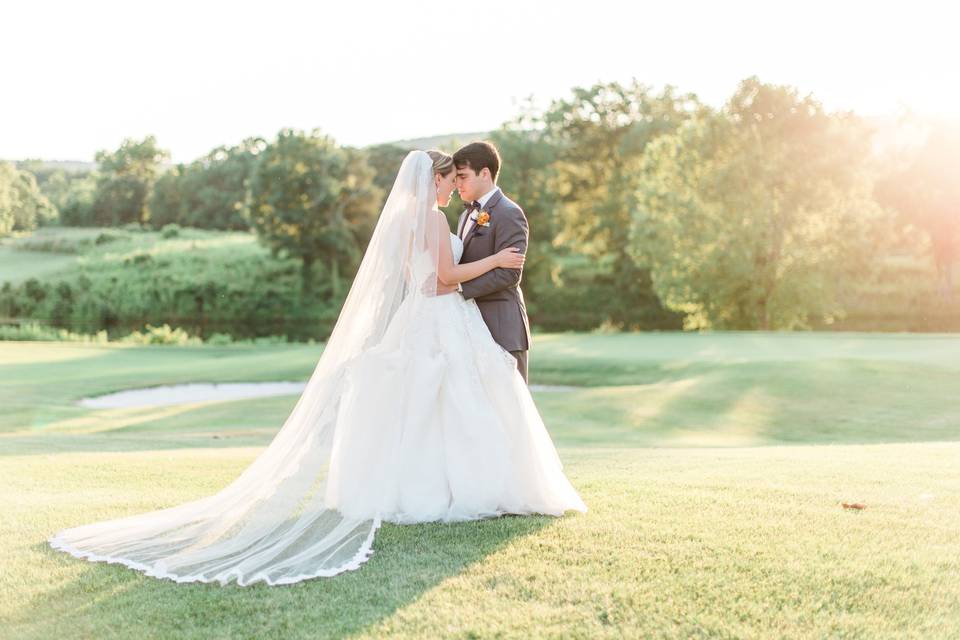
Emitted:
pixel 440 426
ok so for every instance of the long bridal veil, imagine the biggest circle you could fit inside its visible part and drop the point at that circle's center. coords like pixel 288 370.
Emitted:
pixel 271 524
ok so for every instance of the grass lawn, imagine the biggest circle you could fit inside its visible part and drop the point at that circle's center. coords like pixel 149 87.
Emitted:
pixel 17 266
pixel 713 466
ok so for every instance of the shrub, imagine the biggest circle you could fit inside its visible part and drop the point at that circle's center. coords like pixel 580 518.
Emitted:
pixel 171 230
pixel 161 335
pixel 34 331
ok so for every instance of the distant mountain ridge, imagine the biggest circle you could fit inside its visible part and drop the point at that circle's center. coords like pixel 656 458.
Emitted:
pixel 448 142
pixel 66 165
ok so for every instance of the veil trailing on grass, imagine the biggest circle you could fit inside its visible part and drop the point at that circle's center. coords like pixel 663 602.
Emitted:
pixel 272 524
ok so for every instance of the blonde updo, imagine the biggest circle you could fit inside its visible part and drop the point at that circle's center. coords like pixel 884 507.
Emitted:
pixel 442 162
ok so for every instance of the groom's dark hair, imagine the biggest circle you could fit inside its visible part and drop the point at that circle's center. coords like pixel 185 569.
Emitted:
pixel 478 155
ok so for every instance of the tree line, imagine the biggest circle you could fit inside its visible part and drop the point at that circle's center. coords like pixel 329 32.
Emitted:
pixel 648 209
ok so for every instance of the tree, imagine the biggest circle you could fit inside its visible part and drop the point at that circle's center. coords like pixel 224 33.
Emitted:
pixel 166 200
pixel 214 187
pixel 71 192
pixel 528 176
pixel 22 205
pixel 385 161
pixel 76 206
pixel 759 215
pixel 926 193
pixel 209 193
pixel 126 180
pixel 600 135
pixel 314 200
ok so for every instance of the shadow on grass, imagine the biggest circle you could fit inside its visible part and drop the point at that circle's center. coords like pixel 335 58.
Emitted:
pixel 765 403
pixel 744 404
pixel 407 562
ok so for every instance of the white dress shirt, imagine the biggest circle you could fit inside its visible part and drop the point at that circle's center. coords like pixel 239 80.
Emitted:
pixel 483 201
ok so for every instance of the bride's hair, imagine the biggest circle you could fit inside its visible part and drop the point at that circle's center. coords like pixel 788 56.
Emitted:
pixel 442 162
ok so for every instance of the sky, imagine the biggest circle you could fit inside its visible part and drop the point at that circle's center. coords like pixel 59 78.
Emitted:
pixel 82 76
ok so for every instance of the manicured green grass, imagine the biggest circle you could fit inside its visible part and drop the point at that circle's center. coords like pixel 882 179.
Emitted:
pixel 713 466
pixel 17 266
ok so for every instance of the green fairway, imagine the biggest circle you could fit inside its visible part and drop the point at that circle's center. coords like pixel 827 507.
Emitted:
pixel 713 465
pixel 16 266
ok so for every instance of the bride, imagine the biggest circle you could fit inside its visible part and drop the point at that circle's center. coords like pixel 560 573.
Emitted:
pixel 412 414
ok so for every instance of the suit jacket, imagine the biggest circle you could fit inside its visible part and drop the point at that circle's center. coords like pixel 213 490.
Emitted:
pixel 497 292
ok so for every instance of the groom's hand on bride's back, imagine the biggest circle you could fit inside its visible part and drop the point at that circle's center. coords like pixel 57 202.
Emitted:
pixel 444 289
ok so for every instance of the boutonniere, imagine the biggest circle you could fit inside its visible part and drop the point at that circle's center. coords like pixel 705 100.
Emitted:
pixel 483 219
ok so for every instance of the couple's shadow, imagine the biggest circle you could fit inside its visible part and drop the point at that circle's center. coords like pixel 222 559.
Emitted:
pixel 407 561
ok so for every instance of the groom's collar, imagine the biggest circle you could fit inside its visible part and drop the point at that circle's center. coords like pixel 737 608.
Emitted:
pixel 485 198
pixel 488 199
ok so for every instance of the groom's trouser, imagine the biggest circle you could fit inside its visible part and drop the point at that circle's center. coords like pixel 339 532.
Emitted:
pixel 521 357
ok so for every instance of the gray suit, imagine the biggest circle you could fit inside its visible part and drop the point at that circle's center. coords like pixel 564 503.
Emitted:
pixel 497 292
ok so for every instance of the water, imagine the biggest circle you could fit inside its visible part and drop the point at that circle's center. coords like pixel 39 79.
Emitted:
pixel 169 395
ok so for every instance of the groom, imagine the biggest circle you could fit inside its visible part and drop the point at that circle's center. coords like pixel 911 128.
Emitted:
pixel 490 223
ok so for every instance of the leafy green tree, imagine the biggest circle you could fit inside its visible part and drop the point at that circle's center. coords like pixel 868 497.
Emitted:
pixel 926 193
pixel 600 135
pixel 315 201
pixel 759 216
pixel 209 193
pixel 214 187
pixel 22 205
pixel 166 200
pixel 56 186
pixel 71 192
pixel 126 179
pixel 528 176
pixel 76 204
pixel 385 161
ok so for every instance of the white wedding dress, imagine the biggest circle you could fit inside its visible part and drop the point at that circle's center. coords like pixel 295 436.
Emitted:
pixel 412 414
pixel 452 432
